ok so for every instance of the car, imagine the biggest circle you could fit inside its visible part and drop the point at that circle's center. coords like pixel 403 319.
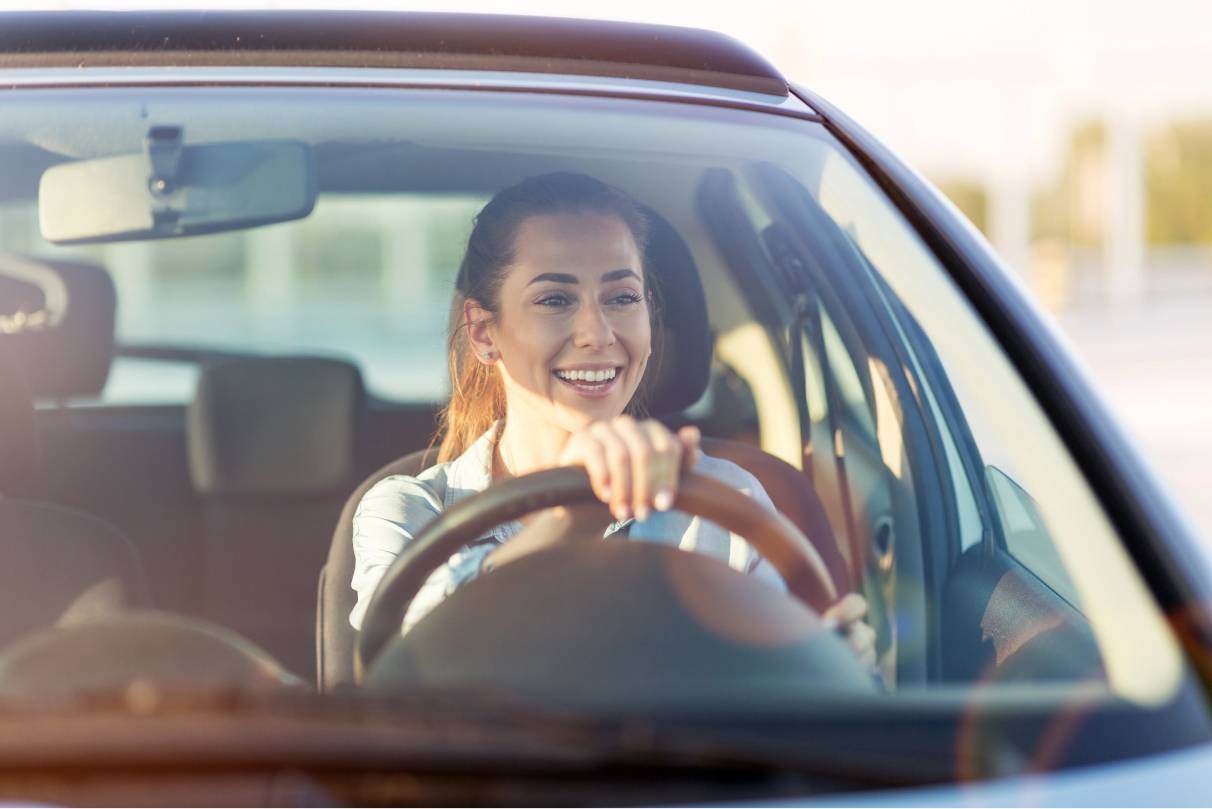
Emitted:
pixel 230 243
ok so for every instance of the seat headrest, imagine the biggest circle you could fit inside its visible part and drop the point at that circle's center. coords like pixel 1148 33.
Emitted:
pixel 278 426
pixel 60 317
pixel 18 445
pixel 680 366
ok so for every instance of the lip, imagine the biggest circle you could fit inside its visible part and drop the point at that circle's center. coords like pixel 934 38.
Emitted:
pixel 591 366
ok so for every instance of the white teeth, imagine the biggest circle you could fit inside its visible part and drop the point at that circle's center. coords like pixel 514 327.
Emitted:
pixel 588 376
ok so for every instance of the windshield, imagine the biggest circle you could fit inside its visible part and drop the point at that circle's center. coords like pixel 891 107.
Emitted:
pixel 211 407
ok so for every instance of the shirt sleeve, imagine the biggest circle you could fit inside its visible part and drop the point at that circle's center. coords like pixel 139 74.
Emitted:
pixel 388 517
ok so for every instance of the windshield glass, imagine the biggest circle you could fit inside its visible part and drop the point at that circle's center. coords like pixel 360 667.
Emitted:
pixel 220 400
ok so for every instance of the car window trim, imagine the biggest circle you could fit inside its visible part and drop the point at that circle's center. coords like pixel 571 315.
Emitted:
pixel 16 79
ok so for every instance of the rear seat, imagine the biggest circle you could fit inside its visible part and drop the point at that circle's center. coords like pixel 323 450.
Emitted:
pixel 57 565
pixel 129 466
pixel 125 465
pixel 272 446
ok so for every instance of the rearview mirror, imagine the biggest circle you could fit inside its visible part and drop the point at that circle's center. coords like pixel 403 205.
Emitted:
pixel 176 190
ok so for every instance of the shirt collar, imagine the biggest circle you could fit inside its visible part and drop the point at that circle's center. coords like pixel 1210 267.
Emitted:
pixel 471 471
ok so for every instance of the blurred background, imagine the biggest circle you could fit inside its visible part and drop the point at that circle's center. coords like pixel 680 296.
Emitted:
pixel 1076 135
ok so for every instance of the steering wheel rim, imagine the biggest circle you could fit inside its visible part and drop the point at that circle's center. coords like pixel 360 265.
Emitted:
pixel 770 533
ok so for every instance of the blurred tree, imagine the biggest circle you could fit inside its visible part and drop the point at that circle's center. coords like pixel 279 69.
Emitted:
pixel 971 198
pixel 1178 184
pixel 1071 210
pixel 199 258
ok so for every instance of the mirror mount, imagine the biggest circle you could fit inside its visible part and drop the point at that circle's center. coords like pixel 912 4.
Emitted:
pixel 162 146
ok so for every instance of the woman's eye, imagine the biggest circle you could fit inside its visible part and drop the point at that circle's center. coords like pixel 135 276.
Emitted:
pixel 553 301
pixel 625 299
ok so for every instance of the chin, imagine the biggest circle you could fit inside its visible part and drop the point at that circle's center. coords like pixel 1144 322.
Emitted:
pixel 573 417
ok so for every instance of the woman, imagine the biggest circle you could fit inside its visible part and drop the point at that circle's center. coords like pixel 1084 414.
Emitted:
pixel 550 336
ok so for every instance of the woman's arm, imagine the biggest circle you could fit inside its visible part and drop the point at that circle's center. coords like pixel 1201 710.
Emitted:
pixel 386 520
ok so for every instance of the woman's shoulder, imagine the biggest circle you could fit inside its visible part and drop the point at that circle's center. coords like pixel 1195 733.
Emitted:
pixel 732 474
pixel 395 494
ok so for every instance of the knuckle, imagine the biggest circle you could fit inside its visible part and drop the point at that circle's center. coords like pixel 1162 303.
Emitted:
pixel 661 440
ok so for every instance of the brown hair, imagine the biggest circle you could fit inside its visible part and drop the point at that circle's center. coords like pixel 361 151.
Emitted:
pixel 477 397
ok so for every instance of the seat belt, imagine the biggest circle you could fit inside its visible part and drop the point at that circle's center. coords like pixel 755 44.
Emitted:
pixel 805 320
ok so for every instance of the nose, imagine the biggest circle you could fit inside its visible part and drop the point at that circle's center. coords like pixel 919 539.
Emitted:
pixel 592 328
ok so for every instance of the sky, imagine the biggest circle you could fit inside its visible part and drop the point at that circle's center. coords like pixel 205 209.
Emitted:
pixel 962 89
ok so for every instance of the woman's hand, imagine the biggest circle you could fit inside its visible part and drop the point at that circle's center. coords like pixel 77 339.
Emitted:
pixel 634 466
pixel 846 618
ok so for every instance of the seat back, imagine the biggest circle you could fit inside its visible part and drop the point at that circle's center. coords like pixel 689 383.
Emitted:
pixel 272 451
pixel 793 495
pixel 57 565
pixel 335 600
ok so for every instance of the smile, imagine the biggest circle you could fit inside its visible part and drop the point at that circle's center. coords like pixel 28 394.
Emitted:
pixel 589 381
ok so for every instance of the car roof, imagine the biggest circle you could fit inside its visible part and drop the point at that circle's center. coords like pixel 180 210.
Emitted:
pixel 418 40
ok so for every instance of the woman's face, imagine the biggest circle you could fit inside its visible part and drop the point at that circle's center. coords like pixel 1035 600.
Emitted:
pixel 572 333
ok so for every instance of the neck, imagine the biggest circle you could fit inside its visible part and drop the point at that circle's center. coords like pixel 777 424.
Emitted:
pixel 527 444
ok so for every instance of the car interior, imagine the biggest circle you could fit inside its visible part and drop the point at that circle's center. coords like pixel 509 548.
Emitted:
pixel 784 340
pixel 233 507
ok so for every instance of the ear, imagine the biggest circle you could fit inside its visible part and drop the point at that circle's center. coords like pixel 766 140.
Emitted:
pixel 478 322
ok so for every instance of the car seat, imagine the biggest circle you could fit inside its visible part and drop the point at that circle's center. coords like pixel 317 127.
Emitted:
pixel 272 447
pixel 57 565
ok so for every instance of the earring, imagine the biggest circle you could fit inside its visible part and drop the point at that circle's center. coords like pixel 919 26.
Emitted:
pixel 488 356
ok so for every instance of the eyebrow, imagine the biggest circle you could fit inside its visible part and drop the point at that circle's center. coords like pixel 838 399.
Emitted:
pixel 566 278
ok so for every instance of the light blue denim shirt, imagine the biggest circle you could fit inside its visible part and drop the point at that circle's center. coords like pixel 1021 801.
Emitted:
pixel 398 507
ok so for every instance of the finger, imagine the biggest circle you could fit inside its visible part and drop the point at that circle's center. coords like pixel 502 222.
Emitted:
pixel 584 450
pixel 691 439
pixel 667 460
pixel 861 638
pixel 640 450
pixel 618 463
pixel 868 658
pixel 593 456
pixel 850 608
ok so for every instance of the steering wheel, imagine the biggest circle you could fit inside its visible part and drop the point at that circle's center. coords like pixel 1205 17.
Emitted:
pixel 770 533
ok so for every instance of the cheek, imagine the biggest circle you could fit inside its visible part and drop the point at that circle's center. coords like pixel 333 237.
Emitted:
pixel 532 343
pixel 636 336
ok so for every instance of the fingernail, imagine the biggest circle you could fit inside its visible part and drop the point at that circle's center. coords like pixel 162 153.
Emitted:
pixel 622 513
pixel 642 513
pixel 664 500
pixel 829 624
pixel 605 496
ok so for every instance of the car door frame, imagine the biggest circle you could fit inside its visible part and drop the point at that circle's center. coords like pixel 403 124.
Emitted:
pixel 1164 546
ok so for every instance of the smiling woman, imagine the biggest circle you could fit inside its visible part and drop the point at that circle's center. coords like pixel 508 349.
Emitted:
pixel 551 334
